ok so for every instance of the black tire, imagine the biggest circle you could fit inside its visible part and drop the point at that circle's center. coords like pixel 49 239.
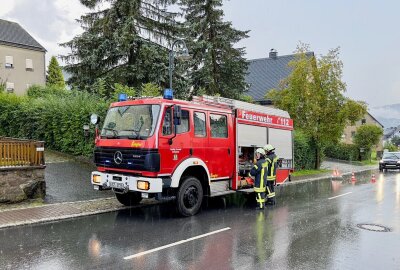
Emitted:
pixel 130 198
pixel 189 197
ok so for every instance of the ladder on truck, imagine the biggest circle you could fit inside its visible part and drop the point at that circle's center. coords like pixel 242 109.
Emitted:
pixel 222 102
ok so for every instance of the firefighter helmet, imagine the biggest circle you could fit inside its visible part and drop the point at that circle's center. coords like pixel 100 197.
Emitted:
pixel 260 151
pixel 268 148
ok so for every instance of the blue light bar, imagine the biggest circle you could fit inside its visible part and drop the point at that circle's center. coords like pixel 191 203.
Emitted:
pixel 122 97
pixel 168 94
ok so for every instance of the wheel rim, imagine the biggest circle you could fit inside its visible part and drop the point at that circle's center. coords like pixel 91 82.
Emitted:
pixel 191 197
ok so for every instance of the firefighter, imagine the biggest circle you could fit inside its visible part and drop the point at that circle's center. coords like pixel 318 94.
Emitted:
pixel 272 161
pixel 259 171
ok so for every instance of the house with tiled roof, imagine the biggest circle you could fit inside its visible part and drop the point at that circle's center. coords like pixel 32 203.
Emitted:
pixel 22 58
pixel 264 74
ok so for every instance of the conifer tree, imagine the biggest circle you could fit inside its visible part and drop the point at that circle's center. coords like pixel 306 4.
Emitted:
pixel 54 74
pixel 217 66
pixel 126 42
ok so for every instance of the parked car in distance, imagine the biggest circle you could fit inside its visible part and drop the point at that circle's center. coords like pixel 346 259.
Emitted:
pixel 390 160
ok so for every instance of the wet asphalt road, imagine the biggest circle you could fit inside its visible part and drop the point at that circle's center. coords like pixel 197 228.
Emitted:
pixel 310 228
pixel 70 181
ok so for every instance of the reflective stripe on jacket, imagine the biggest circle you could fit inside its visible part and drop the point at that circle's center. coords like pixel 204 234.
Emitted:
pixel 272 160
pixel 259 171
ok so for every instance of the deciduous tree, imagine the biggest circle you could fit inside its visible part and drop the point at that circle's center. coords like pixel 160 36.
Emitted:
pixel 367 136
pixel 313 94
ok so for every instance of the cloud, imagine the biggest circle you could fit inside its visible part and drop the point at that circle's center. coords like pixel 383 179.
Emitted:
pixel 50 22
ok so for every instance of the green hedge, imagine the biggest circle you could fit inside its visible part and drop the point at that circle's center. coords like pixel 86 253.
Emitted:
pixel 342 151
pixel 56 118
pixel 304 152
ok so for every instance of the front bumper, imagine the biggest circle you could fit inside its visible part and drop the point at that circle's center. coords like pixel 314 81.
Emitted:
pixel 125 183
pixel 389 166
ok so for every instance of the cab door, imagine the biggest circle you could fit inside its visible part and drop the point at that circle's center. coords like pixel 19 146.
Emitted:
pixel 220 145
pixel 172 154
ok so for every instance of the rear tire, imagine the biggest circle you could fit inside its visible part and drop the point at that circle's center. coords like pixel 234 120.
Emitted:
pixel 130 198
pixel 189 197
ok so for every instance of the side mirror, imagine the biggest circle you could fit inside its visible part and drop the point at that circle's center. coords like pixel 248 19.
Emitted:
pixel 177 115
pixel 94 119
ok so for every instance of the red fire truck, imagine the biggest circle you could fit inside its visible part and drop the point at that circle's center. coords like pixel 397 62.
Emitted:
pixel 171 149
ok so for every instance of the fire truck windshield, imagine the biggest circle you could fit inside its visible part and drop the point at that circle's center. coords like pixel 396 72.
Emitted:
pixel 131 122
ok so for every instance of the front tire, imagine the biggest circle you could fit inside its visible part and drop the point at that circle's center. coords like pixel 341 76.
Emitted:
pixel 189 197
pixel 129 199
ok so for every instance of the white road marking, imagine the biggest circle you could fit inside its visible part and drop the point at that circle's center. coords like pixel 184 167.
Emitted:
pixel 339 195
pixel 176 243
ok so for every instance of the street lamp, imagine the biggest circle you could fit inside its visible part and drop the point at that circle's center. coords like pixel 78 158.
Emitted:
pixel 183 54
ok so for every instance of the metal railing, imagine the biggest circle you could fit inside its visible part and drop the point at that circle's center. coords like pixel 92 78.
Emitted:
pixel 21 153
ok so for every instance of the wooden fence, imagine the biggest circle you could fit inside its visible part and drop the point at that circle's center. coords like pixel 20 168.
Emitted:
pixel 21 153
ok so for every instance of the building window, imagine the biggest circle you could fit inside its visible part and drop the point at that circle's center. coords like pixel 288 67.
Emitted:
pixel 353 133
pixel 10 87
pixel 199 124
pixel 29 65
pixel 9 62
pixel 363 121
pixel 219 126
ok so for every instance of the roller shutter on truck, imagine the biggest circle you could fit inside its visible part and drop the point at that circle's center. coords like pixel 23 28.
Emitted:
pixel 252 135
pixel 282 141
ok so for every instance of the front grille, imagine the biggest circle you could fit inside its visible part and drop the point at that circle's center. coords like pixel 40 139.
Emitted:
pixel 132 159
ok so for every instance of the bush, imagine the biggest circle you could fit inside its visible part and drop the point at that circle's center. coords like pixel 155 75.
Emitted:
pixel 57 120
pixel 36 91
pixel 343 151
pixel 304 152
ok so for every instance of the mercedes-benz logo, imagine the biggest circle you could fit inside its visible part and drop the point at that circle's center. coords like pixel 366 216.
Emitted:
pixel 118 157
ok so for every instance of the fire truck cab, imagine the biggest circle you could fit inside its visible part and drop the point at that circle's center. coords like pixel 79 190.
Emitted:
pixel 178 150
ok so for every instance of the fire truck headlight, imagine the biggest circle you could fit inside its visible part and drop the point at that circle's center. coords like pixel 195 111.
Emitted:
pixel 143 185
pixel 96 178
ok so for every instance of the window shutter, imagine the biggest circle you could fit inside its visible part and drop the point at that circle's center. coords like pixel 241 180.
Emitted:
pixel 29 64
pixel 10 87
pixel 9 60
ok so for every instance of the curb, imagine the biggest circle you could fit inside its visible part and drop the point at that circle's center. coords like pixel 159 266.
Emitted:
pixel 69 216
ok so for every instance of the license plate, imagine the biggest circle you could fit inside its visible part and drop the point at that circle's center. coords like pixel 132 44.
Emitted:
pixel 96 187
pixel 117 185
pixel 145 195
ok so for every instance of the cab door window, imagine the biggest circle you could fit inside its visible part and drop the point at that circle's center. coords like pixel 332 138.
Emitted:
pixel 167 123
pixel 199 124
pixel 184 126
pixel 219 126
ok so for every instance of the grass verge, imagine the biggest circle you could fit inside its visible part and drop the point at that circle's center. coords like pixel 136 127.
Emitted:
pixel 309 172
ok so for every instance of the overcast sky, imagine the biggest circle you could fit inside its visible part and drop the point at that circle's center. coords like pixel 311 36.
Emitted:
pixel 367 32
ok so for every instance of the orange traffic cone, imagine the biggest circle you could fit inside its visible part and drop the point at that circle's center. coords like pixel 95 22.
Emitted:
pixel 336 173
pixel 353 177
pixel 373 179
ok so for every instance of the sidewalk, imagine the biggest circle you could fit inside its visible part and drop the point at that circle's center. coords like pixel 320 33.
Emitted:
pixel 30 214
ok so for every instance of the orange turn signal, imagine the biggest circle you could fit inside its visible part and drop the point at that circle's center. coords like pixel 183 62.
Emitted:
pixel 96 178
pixel 143 185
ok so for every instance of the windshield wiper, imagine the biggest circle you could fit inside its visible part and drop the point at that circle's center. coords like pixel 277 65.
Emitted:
pixel 137 132
pixel 115 133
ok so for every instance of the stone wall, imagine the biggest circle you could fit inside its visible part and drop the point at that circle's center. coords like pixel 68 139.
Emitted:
pixel 18 184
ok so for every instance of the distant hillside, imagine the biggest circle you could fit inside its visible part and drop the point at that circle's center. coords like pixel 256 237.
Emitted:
pixel 388 115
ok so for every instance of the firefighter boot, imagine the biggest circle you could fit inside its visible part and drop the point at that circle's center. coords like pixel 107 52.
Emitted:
pixel 271 201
